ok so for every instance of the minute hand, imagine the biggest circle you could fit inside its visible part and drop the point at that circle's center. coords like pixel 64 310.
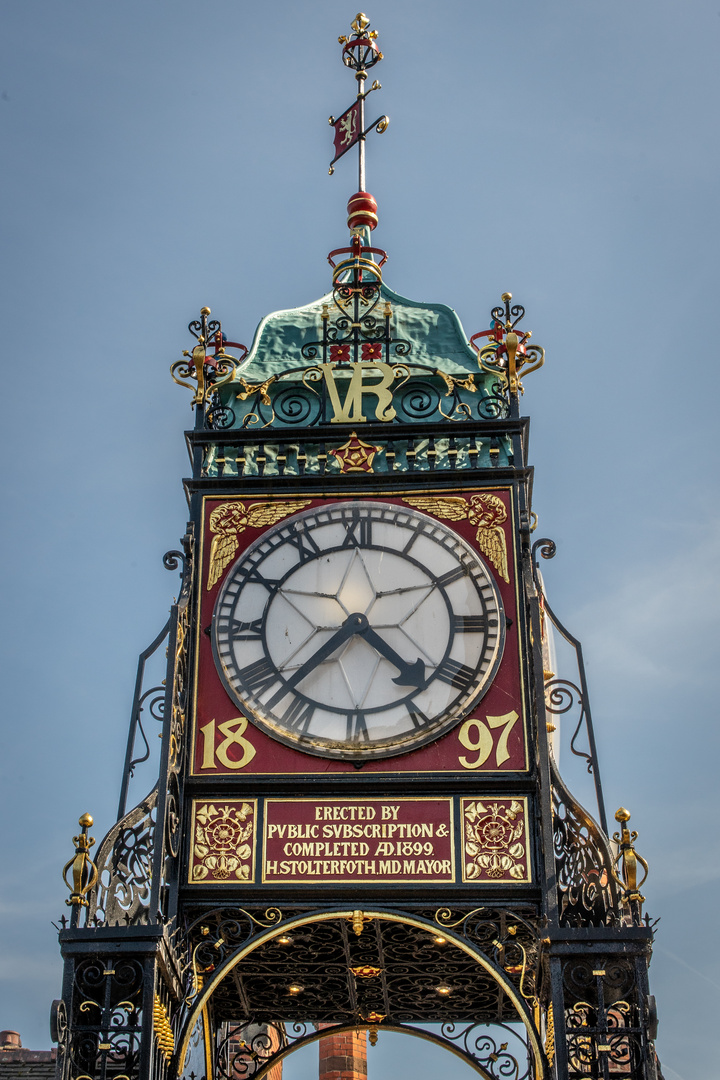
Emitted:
pixel 410 674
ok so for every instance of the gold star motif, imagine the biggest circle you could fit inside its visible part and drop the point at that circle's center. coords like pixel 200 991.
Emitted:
pixel 356 455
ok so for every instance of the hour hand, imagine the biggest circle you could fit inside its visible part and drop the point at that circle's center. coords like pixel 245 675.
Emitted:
pixel 354 624
pixel 410 674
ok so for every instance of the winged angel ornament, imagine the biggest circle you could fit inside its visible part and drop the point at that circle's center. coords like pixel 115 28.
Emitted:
pixel 484 510
pixel 231 519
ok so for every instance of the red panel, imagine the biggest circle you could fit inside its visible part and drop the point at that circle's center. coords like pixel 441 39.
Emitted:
pixel 368 840
pixel 497 737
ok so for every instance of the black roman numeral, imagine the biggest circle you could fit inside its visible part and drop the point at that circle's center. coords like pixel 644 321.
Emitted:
pixel 469 624
pixel 357 728
pixel 302 538
pixel 260 676
pixel 419 719
pixel 358 532
pixel 254 577
pixel 245 631
pixel 298 715
pixel 451 575
pixel 458 675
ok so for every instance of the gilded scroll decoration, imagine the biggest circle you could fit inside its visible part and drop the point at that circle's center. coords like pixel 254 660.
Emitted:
pixel 203 372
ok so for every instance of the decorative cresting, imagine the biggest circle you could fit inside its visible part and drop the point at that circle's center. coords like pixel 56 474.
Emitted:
pixel 84 870
pixel 286 455
pixel 372 969
pixel 508 353
pixel 626 862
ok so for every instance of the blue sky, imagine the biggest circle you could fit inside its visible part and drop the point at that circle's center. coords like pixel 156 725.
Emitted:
pixel 159 157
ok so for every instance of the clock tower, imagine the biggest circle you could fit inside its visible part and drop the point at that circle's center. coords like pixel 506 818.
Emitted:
pixel 358 822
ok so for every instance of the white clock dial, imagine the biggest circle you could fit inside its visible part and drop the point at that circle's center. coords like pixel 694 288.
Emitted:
pixel 360 630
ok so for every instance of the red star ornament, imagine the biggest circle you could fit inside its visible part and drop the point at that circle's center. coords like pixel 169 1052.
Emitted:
pixel 356 455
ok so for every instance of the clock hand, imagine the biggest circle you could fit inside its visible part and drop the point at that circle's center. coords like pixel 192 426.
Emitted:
pixel 354 624
pixel 410 674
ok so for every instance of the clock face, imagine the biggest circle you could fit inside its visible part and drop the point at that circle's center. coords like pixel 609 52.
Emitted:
pixel 359 630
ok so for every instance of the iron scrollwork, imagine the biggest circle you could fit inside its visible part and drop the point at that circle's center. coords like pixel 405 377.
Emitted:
pixel 124 869
pixel 304 397
pixel 561 696
pixel 604 1028
pixel 587 891
pixel 244 1048
pixel 489 1046
pixel 106 1027
pixel 508 938
pixel 497 1050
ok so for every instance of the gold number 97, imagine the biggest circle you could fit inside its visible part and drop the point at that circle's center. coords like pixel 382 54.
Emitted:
pixel 476 735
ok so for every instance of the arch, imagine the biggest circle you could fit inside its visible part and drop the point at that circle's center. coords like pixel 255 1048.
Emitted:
pixel 398 1029
pixel 326 915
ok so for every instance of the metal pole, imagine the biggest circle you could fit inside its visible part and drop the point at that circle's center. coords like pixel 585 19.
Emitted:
pixel 361 76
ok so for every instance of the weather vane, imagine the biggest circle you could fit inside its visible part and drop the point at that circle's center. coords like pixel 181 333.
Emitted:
pixel 360 52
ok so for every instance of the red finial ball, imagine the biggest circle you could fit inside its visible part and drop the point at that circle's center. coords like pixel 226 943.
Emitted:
pixel 362 211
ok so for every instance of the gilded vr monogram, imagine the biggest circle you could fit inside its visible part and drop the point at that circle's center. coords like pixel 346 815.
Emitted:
pixel 351 410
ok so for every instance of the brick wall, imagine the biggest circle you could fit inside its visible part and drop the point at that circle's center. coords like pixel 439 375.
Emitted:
pixel 343 1056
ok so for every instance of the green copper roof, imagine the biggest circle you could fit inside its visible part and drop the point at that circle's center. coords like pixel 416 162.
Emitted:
pixel 434 331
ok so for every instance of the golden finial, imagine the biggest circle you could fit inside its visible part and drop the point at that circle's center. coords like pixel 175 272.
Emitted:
pixel 360 22
pixel 508 353
pixel 357 922
pixel 208 373
pixel 627 861
pixel 84 870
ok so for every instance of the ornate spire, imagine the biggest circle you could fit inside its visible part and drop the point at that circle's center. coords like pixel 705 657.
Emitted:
pixel 360 52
